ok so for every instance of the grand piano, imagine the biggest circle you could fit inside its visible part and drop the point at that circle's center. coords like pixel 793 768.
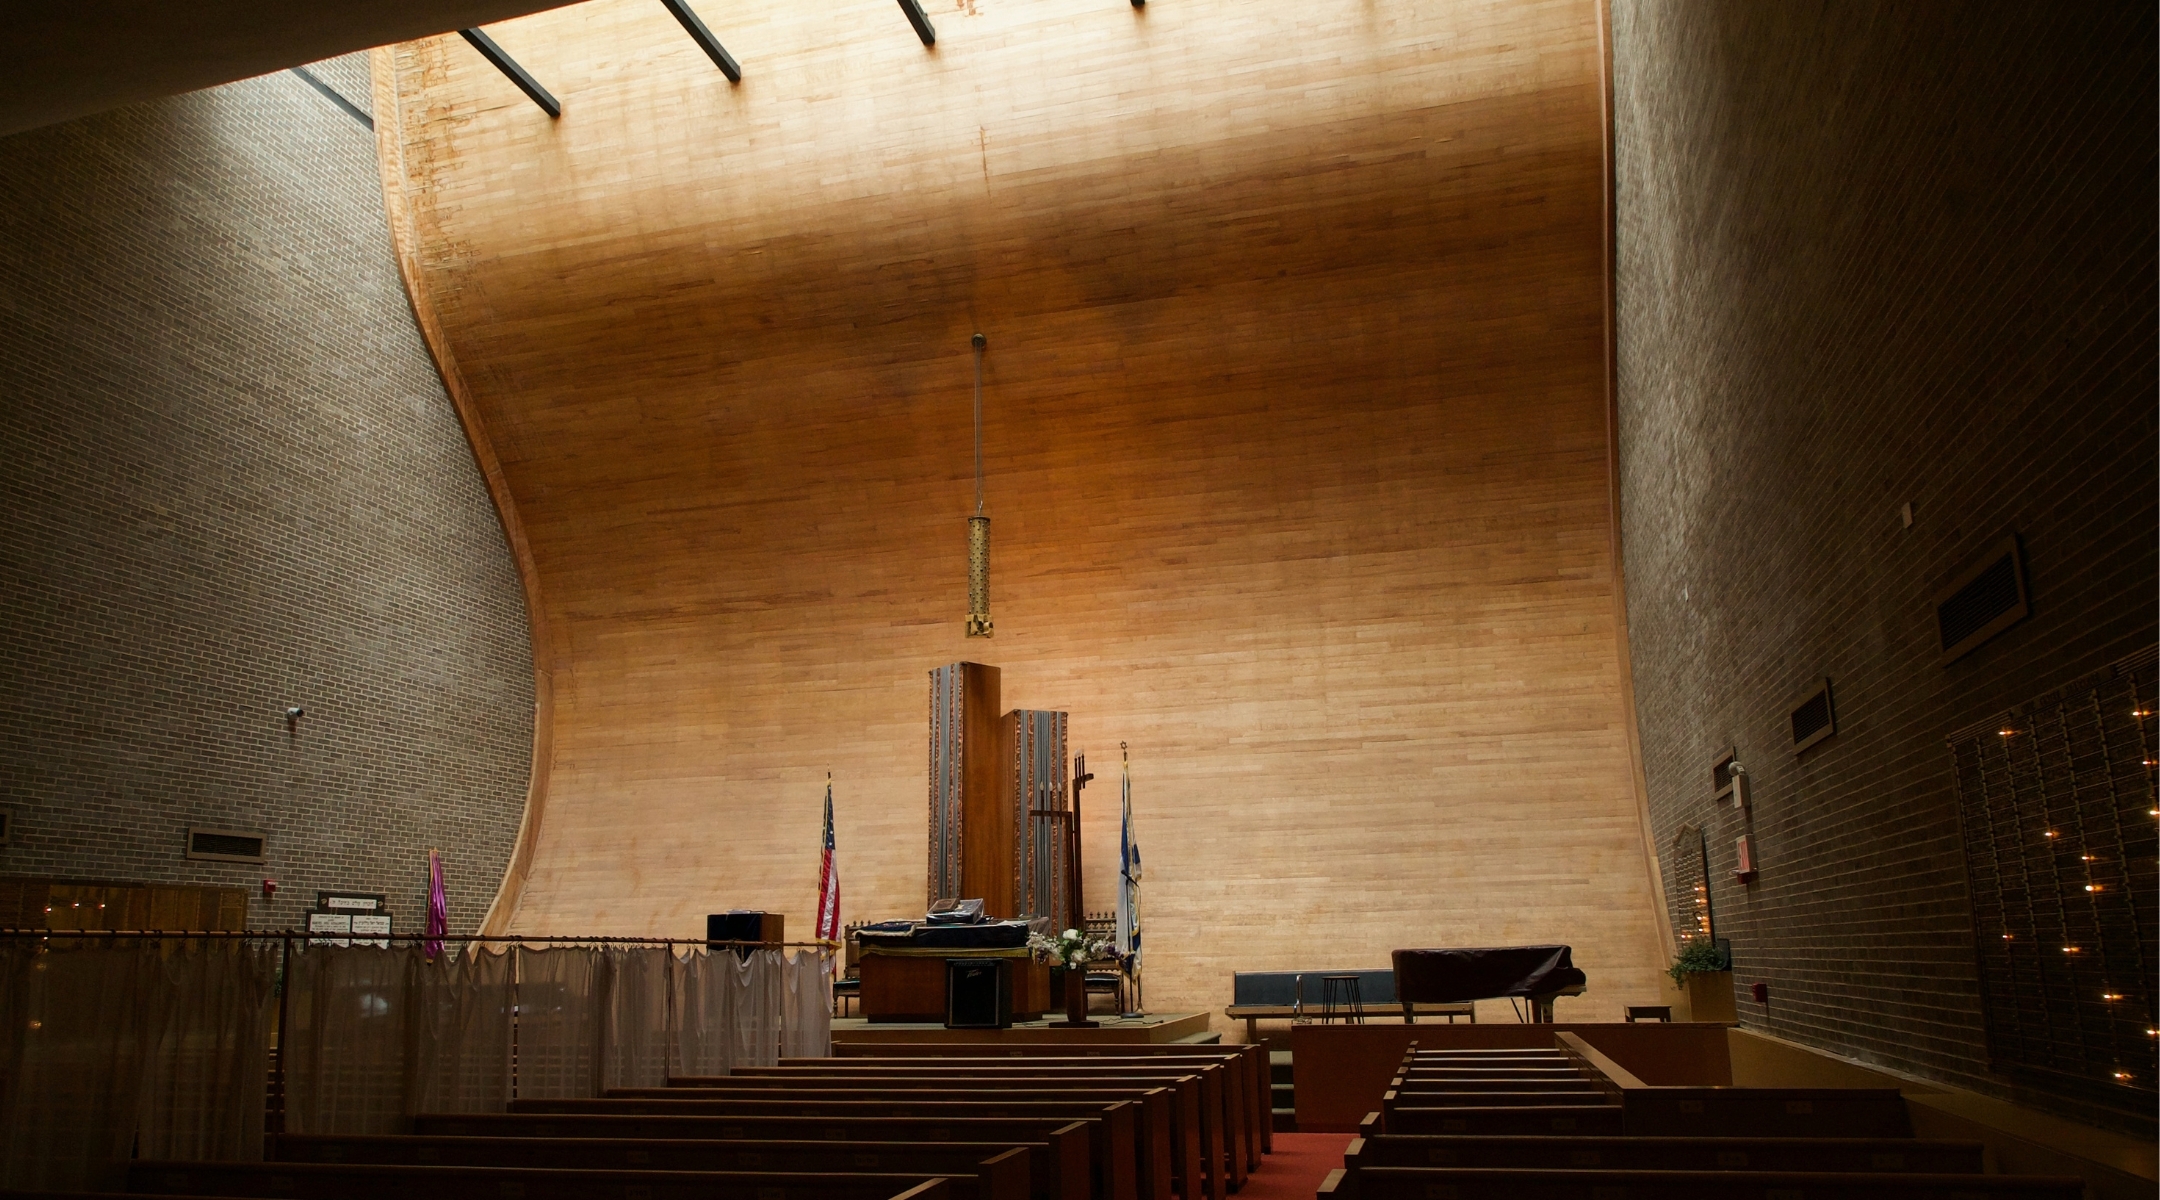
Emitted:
pixel 1454 976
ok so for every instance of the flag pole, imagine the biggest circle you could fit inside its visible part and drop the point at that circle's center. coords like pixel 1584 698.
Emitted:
pixel 1128 894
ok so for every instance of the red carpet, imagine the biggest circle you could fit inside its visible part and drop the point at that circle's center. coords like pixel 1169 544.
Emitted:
pixel 1294 1171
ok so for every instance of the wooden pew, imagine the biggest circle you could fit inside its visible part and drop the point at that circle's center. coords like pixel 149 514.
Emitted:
pixel 1258 1075
pixel 1249 1065
pixel 1668 1153
pixel 10 1194
pixel 1247 1091
pixel 1098 1148
pixel 1481 1071
pixel 1220 1120
pixel 1572 1118
pixel 1473 1183
pixel 1391 1099
pixel 1765 1112
pixel 375 1181
pixel 1149 1143
pixel 1417 1086
pixel 692 1154
pixel 1174 1104
pixel 1223 1076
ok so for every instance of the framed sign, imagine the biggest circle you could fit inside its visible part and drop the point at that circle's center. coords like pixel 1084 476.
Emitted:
pixel 330 922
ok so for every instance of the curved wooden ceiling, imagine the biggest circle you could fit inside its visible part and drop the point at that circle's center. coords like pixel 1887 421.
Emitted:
pixel 1295 439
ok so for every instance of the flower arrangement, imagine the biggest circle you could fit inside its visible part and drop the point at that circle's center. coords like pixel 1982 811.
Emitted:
pixel 1071 948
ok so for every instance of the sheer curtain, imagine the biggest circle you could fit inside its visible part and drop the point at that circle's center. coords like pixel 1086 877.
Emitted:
pixel 806 1030
pixel 562 1017
pixel 350 1015
pixel 204 1090
pixel 641 1028
pixel 84 1026
pixel 709 990
pixel 461 1033
pixel 160 1048
pixel 761 1009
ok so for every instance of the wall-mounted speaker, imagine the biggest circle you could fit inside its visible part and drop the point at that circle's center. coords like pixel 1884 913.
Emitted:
pixel 978 993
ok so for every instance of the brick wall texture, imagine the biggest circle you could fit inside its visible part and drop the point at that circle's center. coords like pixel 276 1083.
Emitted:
pixel 1871 255
pixel 234 483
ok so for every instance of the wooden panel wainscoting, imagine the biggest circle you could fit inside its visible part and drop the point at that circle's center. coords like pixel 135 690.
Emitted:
pixel 1295 439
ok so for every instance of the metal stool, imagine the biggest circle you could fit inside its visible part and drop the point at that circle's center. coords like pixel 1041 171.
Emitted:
pixel 1340 992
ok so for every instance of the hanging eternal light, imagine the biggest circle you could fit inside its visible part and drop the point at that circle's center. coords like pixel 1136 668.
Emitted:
pixel 978 620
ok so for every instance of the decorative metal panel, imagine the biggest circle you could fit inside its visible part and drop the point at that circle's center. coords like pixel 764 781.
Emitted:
pixel 2058 807
pixel 947 742
pixel 1040 855
pixel 1691 915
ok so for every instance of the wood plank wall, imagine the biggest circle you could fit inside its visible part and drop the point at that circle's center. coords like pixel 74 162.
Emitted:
pixel 1295 443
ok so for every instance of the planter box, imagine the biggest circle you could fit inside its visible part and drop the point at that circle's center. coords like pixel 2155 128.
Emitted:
pixel 1710 997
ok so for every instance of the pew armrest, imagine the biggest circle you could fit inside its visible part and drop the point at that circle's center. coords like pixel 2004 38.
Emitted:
pixel 1005 1176
pixel 1333 1188
pixel 928 1189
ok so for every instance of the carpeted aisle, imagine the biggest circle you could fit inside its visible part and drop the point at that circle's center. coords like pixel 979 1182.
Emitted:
pixel 1294 1171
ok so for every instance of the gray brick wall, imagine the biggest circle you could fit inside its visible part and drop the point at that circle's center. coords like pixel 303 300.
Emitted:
pixel 1872 255
pixel 234 483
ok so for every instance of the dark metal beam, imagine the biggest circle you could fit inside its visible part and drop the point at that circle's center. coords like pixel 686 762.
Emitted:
pixel 704 38
pixel 509 66
pixel 920 20
pixel 331 94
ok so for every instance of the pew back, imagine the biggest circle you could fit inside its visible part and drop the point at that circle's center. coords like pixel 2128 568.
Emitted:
pixel 1098 1148
pixel 373 1181
pixel 691 1154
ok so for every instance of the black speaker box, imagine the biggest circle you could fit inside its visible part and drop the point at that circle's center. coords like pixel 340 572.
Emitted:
pixel 978 993
pixel 745 925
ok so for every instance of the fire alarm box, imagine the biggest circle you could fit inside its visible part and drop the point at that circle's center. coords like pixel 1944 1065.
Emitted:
pixel 1744 859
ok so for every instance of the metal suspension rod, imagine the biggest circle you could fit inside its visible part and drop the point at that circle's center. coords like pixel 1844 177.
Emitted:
pixel 980 341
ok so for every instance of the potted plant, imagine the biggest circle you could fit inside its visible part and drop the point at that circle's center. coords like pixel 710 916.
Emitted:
pixel 1704 970
pixel 1071 952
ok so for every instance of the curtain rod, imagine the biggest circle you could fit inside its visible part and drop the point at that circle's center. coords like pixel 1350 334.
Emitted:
pixel 322 935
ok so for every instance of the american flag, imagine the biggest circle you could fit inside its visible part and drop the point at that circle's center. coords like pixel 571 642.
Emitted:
pixel 828 884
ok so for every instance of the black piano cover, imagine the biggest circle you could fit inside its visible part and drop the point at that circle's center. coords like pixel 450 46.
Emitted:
pixel 1484 973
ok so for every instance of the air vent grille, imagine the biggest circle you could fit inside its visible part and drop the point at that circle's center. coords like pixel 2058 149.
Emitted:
pixel 226 845
pixel 1812 717
pixel 1985 599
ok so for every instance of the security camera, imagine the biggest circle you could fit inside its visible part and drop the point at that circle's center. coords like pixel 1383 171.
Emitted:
pixel 295 713
pixel 1733 768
